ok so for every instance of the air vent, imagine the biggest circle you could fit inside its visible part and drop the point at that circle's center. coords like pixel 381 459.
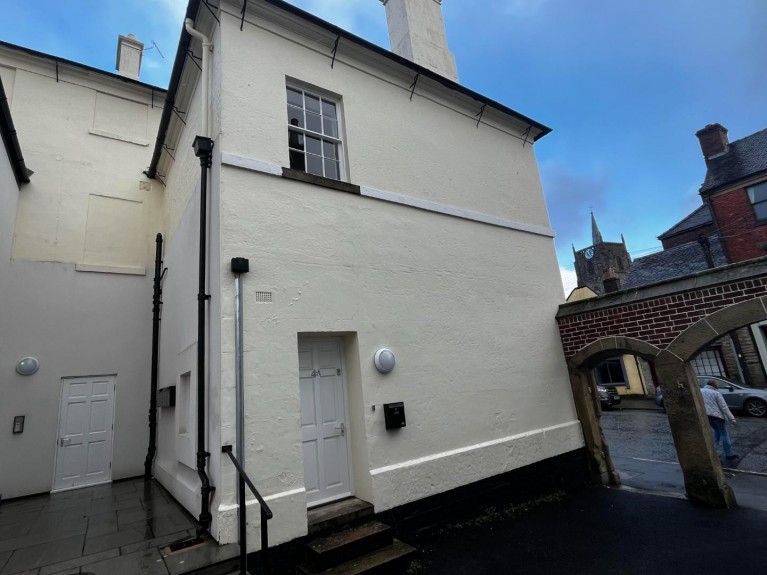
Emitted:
pixel 263 297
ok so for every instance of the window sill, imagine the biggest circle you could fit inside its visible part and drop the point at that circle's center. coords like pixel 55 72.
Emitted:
pixel 320 181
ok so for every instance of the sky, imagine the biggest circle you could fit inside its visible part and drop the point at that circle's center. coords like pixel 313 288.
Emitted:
pixel 623 84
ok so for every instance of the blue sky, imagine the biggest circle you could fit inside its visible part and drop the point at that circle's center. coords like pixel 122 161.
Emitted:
pixel 624 84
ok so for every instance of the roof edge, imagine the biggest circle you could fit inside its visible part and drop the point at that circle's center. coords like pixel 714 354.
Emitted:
pixel 450 84
pixel 74 64
pixel 11 140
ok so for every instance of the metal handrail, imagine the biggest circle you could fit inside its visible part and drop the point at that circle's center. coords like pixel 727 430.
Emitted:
pixel 266 514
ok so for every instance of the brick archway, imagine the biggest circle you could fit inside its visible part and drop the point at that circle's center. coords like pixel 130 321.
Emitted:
pixel 668 324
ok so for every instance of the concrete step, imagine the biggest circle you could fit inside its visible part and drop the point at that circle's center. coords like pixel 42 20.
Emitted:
pixel 345 545
pixel 391 560
pixel 338 514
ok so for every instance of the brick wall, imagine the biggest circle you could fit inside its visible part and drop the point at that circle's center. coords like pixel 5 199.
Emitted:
pixel 742 236
pixel 657 321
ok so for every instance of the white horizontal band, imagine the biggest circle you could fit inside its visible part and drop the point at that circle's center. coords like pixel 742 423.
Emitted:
pixel 275 170
pixel 254 501
pixel 484 445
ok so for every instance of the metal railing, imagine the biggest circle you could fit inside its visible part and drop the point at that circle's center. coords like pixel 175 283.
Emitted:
pixel 266 514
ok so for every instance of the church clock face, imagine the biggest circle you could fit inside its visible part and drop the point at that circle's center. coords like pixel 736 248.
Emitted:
pixel 589 253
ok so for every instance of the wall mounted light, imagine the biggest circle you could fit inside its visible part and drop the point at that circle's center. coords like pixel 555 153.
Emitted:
pixel 384 360
pixel 27 366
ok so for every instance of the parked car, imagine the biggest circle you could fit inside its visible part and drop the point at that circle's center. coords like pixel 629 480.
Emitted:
pixel 738 397
pixel 608 396
pixel 752 401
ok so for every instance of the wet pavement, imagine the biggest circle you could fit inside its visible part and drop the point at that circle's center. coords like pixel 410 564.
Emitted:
pixel 646 434
pixel 111 529
pixel 598 531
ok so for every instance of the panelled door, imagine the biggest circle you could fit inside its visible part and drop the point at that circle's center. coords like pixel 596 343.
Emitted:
pixel 323 420
pixel 84 448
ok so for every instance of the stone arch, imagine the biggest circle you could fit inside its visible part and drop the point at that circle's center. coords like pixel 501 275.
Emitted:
pixel 704 480
pixel 688 343
pixel 605 347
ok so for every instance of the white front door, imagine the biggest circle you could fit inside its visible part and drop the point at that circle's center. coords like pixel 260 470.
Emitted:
pixel 84 448
pixel 323 420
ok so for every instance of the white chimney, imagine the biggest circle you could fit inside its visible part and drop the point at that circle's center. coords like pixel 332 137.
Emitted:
pixel 129 51
pixel 417 32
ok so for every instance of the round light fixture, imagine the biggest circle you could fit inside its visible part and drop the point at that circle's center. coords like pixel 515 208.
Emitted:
pixel 384 360
pixel 27 366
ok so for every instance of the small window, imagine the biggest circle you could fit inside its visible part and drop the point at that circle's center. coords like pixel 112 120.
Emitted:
pixel 610 372
pixel 758 197
pixel 313 134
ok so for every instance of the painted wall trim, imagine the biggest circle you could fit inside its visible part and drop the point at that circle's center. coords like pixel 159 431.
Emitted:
pixel 282 494
pixel 455 212
pixel 250 164
pixel 104 134
pixel 483 445
pixel 236 161
pixel 138 271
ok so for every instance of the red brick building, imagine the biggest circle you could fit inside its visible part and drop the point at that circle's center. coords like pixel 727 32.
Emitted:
pixel 735 188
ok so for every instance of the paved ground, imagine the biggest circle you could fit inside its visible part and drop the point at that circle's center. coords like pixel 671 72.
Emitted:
pixel 110 529
pixel 646 434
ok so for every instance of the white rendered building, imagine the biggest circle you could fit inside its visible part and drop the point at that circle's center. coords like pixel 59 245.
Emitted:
pixel 380 204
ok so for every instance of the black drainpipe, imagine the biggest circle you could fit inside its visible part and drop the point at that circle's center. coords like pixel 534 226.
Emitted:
pixel 203 149
pixel 156 304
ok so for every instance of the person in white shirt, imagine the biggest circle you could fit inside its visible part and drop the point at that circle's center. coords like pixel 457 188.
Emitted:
pixel 718 415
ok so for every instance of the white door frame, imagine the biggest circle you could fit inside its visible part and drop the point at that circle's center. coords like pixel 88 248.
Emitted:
pixel 110 452
pixel 345 395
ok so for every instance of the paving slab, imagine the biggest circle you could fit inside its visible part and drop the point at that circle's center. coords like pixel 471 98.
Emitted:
pixel 36 556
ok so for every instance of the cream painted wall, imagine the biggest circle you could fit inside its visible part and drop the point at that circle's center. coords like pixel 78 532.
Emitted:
pixel 88 206
pixel 467 307
pixel 88 147
pixel 391 143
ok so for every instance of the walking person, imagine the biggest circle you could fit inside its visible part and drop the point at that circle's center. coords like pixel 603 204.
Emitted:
pixel 718 415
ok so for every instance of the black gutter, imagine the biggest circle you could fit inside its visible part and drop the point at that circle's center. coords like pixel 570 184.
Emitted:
pixel 156 305
pixel 338 32
pixel 85 67
pixel 175 77
pixel 11 141
pixel 407 63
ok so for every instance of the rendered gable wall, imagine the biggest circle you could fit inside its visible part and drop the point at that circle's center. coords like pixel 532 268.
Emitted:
pixel 88 207
pixel 466 306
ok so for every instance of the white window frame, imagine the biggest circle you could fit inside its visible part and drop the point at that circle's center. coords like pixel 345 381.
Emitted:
pixel 751 191
pixel 337 140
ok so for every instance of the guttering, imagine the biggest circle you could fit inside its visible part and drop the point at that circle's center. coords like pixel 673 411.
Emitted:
pixel 85 67
pixel 11 141
pixel 207 45
pixel 455 86
pixel 203 149
pixel 338 32
pixel 175 78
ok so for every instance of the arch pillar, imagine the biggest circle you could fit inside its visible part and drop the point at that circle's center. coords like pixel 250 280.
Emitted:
pixel 703 476
pixel 589 410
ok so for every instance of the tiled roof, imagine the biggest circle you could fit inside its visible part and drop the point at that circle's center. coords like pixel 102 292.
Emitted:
pixel 700 217
pixel 675 262
pixel 745 157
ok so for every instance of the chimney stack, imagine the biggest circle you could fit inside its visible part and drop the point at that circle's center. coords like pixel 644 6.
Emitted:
pixel 129 51
pixel 713 140
pixel 417 32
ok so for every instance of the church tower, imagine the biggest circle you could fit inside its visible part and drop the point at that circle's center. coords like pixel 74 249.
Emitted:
pixel 603 266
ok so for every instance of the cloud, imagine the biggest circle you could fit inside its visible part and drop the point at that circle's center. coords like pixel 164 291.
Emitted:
pixel 365 18
pixel 570 197
pixel 569 280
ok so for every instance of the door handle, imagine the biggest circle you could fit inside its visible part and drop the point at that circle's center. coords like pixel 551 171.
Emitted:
pixel 63 441
pixel 342 429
